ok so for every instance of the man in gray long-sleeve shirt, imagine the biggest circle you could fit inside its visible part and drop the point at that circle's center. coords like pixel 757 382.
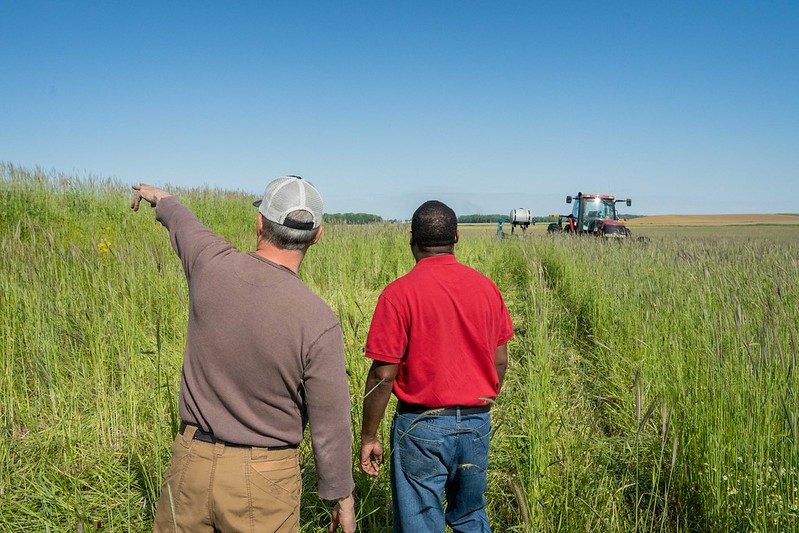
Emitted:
pixel 263 356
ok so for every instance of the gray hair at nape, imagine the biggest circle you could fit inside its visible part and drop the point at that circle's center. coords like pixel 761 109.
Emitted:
pixel 287 238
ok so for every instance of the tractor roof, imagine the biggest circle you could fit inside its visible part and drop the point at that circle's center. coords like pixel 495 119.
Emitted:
pixel 602 196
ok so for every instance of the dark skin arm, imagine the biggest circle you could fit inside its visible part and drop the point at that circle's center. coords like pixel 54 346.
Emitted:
pixel 379 384
pixel 501 363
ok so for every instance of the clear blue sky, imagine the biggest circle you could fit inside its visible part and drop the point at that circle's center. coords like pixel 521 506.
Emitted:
pixel 686 107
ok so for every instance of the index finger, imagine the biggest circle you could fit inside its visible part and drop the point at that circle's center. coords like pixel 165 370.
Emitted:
pixel 134 204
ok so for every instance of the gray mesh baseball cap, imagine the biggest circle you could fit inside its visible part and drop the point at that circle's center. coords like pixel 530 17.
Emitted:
pixel 291 193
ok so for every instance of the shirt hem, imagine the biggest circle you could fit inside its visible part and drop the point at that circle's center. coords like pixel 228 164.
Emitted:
pixel 383 358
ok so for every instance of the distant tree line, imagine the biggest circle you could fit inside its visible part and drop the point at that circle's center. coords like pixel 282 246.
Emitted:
pixel 480 219
pixel 367 218
pixel 483 219
pixel 493 219
pixel 351 218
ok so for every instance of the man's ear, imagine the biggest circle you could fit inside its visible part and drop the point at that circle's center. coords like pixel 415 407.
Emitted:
pixel 259 226
pixel 318 235
pixel 412 241
pixel 457 236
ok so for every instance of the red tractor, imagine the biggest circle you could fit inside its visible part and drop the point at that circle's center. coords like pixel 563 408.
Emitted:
pixel 593 214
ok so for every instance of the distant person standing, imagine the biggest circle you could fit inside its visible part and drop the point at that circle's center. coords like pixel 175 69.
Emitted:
pixel 438 338
pixel 263 356
pixel 500 231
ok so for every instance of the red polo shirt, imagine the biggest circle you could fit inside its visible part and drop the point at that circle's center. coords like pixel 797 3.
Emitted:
pixel 442 322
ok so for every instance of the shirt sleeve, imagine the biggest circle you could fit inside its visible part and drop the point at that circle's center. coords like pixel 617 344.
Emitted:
pixel 505 324
pixel 327 400
pixel 189 237
pixel 387 340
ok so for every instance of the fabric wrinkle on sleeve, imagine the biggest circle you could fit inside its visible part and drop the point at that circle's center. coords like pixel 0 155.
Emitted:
pixel 327 398
pixel 189 237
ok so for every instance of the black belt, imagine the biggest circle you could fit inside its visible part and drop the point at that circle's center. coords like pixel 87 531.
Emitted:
pixel 206 436
pixel 412 408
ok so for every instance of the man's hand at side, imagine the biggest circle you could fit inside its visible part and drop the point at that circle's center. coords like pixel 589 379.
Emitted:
pixel 344 515
pixel 147 193
pixel 371 456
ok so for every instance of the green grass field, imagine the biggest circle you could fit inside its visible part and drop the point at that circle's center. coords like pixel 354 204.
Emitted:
pixel 652 386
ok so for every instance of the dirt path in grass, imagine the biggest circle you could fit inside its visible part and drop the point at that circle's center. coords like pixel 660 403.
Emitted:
pixel 622 483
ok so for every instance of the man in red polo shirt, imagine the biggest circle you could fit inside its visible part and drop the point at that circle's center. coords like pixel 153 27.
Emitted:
pixel 438 339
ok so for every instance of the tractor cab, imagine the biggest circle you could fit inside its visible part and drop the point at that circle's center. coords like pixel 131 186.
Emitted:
pixel 589 208
pixel 593 214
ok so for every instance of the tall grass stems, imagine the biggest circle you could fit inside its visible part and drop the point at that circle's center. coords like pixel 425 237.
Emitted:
pixel 652 386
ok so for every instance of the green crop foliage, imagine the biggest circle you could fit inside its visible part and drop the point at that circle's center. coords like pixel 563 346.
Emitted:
pixel 651 387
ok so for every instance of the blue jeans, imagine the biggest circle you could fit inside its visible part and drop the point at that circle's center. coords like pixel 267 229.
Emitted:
pixel 436 454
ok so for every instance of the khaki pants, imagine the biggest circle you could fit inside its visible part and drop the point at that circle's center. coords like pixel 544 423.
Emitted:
pixel 213 487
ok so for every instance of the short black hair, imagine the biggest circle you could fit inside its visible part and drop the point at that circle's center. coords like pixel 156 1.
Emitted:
pixel 434 224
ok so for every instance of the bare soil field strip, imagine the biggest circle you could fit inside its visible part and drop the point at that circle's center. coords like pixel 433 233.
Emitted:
pixel 712 220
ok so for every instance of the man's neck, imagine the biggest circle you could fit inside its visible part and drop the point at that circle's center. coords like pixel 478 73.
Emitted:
pixel 424 253
pixel 291 259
